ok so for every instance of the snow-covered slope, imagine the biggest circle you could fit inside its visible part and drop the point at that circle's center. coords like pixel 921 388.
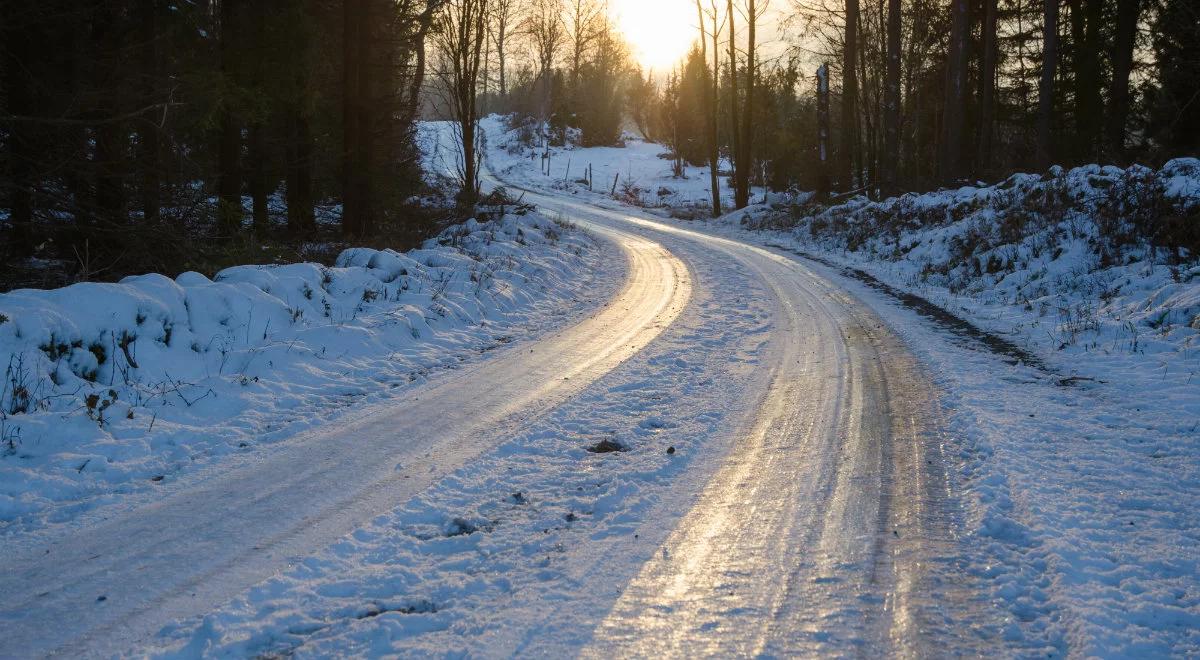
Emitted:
pixel 1071 265
pixel 111 388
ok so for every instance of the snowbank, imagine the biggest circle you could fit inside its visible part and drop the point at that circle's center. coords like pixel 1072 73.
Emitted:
pixel 109 388
pixel 1094 260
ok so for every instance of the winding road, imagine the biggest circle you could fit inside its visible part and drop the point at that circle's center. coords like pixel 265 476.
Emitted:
pixel 829 512
pixel 828 527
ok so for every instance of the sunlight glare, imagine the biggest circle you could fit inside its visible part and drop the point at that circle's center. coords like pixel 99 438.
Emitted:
pixel 659 32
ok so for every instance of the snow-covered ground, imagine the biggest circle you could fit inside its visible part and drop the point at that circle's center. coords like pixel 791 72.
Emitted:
pixel 638 172
pixel 111 389
pixel 1082 474
pixel 1073 492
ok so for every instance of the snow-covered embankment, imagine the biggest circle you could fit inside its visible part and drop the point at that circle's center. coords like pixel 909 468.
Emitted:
pixel 112 388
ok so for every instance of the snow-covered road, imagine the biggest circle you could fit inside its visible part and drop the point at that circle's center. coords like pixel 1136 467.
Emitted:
pixel 806 509
pixel 828 527
pixel 202 543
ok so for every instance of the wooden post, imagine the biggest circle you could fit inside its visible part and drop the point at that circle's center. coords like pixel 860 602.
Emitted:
pixel 614 188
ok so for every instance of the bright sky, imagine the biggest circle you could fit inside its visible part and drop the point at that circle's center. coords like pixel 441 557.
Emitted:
pixel 660 32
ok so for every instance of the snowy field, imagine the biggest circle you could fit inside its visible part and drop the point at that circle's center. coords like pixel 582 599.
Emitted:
pixel 641 174
pixel 1082 473
pixel 112 389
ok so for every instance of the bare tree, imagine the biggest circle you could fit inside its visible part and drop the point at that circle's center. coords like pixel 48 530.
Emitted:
pixel 711 93
pixel 461 32
pixel 584 20
pixel 504 16
pixel 544 25
pixel 735 152
pixel 746 144
pixel 416 51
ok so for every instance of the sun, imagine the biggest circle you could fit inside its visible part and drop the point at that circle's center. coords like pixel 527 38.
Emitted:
pixel 659 32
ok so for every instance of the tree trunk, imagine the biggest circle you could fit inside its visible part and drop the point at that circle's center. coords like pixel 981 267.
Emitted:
pixel 1122 64
pixel 299 175
pixel 955 111
pixel 987 90
pixel 364 150
pixel 823 131
pixel 501 37
pixel 469 193
pixel 111 135
pixel 229 186
pixel 18 94
pixel 260 187
pixel 891 102
pixel 474 35
pixel 1046 88
pixel 742 193
pixel 148 131
pixel 298 143
pixel 714 149
pixel 1088 119
pixel 849 99
pixel 351 116
pixel 866 144
pixel 735 155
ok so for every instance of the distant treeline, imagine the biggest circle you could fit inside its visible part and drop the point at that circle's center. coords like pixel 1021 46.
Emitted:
pixel 927 94
pixel 136 114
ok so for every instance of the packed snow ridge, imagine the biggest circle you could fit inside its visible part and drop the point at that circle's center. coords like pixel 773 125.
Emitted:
pixel 111 388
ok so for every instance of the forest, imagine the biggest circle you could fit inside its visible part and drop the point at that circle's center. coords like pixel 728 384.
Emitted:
pixel 150 135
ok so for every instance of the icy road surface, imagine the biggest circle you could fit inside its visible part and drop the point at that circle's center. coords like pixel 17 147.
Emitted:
pixel 828 526
pixel 805 511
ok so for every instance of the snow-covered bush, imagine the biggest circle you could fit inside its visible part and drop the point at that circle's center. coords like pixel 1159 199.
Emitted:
pixel 1103 256
pixel 1112 208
